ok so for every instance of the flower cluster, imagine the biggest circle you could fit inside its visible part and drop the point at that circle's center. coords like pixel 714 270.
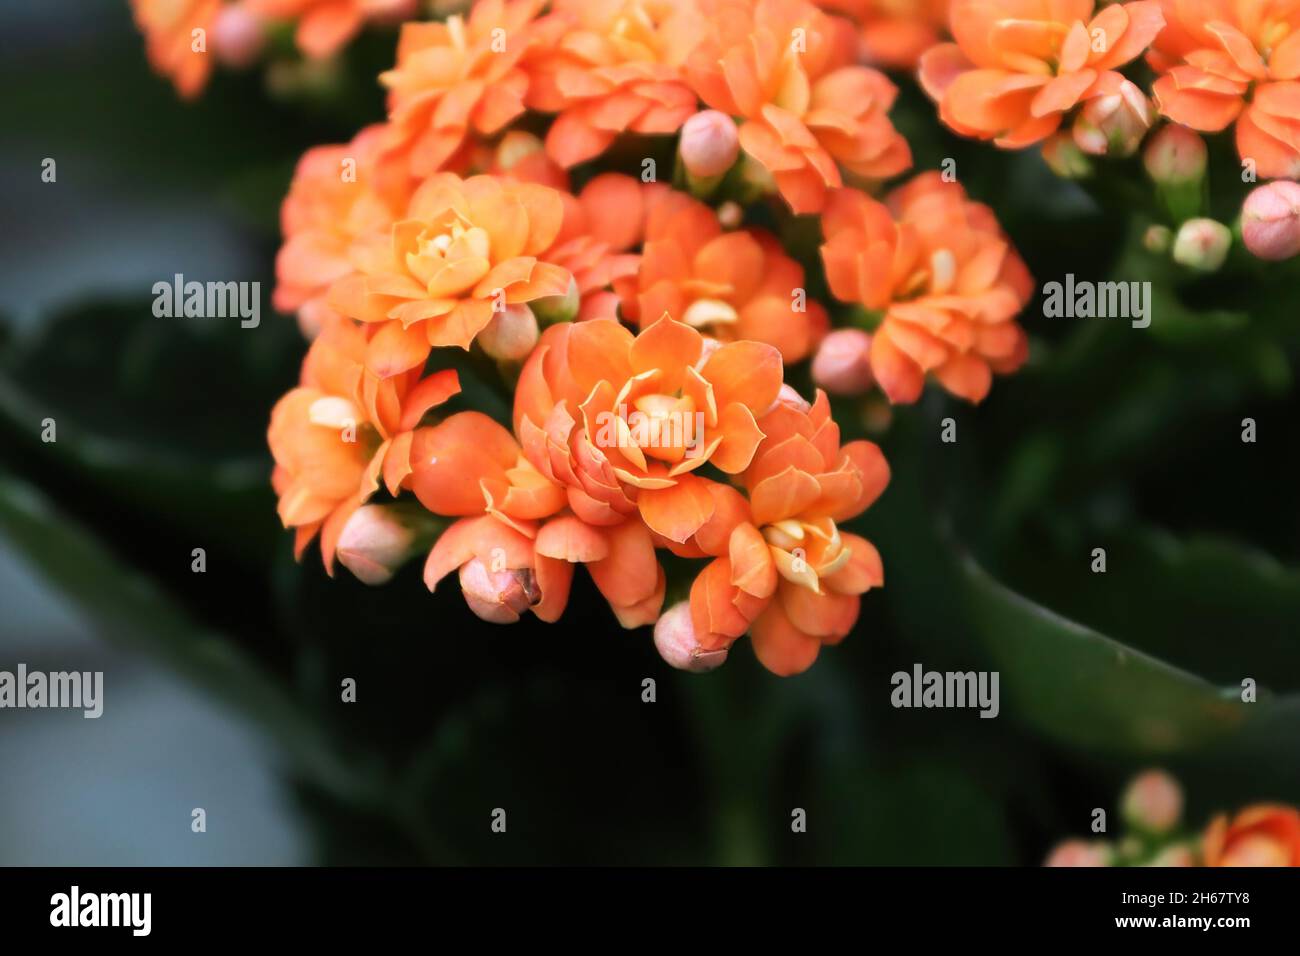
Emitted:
pixel 1152 808
pixel 507 222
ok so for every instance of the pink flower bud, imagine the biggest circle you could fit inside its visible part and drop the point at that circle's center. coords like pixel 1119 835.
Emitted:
pixel 1114 124
pixel 510 335
pixel 1080 853
pixel 1179 854
pixel 1065 158
pixel 558 308
pixel 390 11
pixel 709 144
pixel 730 214
pixel 676 643
pixel 1175 155
pixel 1157 239
pixel 375 542
pixel 1202 244
pixel 238 36
pixel 498 597
pixel 1270 220
pixel 1153 802
pixel 791 398
pixel 842 364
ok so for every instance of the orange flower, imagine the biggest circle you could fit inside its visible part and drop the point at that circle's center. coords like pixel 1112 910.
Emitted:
pixel 1225 61
pixel 518 529
pixel 1019 65
pixel 624 421
pixel 324 26
pixel 1262 835
pixel 466 249
pixel 732 285
pixel 786 69
pixel 456 78
pixel 339 431
pixel 790 575
pixel 338 194
pixel 169 31
pixel 895 32
pixel 944 275
pixel 608 67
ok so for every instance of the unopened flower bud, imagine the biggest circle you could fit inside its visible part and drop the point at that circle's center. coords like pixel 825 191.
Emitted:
pixel 391 11
pixel 377 540
pixel 1175 155
pixel 238 36
pixel 709 144
pixel 1065 158
pixel 510 335
pixel 1114 124
pixel 498 597
pixel 730 215
pixel 842 364
pixel 1202 244
pixel 1153 802
pixel 1080 853
pixel 1270 221
pixel 676 643
pixel 1157 239
pixel 515 146
pixel 787 396
pixel 1178 854
pixel 558 308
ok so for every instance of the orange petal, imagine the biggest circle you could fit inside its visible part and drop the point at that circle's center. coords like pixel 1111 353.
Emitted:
pixel 677 512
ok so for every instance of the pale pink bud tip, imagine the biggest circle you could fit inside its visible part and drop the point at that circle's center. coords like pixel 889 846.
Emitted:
pixel 1079 853
pixel 238 36
pixel 374 543
pixel 498 597
pixel 1153 802
pixel 842 364
pixel 1202 244
pixel 1113 124
pixel 709 144
pixel 676 643
pixel 1270 221
pixel 510 335
pixel 391 11
pixel 1175 154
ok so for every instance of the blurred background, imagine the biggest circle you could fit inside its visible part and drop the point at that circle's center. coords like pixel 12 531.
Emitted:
pixel 222 688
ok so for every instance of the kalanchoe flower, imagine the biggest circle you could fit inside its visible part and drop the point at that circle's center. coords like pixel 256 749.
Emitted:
pixel 1113 124
pixel 169 32
pixel 1019 66
pixel 1232 61
pixel 1270 221
pixel 709 144
pixel 842 364
pixel 378 539
pixel 1261 835
pixel 238 35
pixel 894 34
pixel 1080 853
pixel 1153 802
pixel 1175 155
pixel 498 597
pixel 1202 244
pixel 677 644
pixel 944 275
pixel 784 67
pixel 325 26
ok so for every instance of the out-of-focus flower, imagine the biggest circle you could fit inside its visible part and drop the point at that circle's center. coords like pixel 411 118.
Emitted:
pixel 325 26
pixel 1153 802
pixel 677 645
pixel 786 70
pixel 176 34
pixel 238 35
pixel 1157 239
pixel 609 67
pixel 1175 155
pixel 341 430
pixel 1080 853
pixel 842 364
pixel 709 144
pixel 894 33
pixel 338 194
pixel 1270 220
pixel 1261 835
pixel 1113 124
pixel 945 277
pixel 1226 61
pixel 378 539
pixel 737 285
pixel 466 250
pixel 1177 854
pixel 510 335
pixel 1202 244
pixel 789 575
pixel 624 421
pixel 1064 157
pixel 458 78
pixel 1019 66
